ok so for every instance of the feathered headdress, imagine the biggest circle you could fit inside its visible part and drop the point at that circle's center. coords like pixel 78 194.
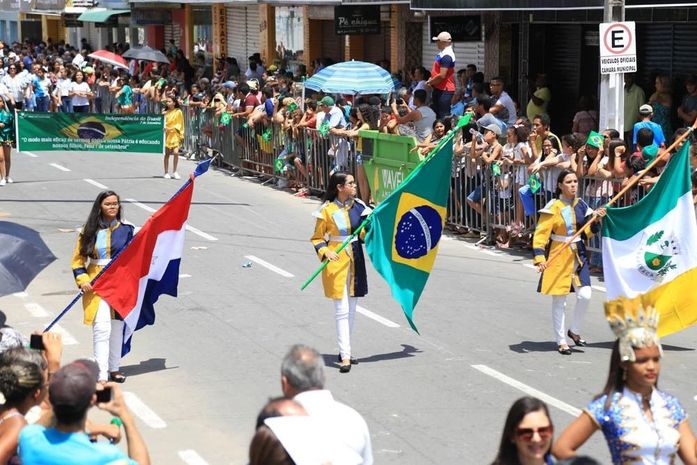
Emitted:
pixel 634 322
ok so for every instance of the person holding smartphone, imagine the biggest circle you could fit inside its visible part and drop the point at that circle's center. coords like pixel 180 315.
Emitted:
pixel 103 236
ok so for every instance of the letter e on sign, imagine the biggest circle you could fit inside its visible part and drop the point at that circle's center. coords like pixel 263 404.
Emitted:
pixel 617 41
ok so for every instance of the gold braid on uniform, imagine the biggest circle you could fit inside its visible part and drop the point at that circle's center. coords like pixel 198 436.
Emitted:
pixel 634 322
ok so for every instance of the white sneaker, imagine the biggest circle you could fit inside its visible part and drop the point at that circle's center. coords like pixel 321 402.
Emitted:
pixel 2 182
pixel 167 176
pixel 9 180
pixel 176 175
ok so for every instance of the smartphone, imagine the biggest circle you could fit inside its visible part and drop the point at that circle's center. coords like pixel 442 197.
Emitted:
pixel 36 342
pixel 104 395
pixel 400 101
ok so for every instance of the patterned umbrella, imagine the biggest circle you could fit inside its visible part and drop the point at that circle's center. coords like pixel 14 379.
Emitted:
pixel 23 254
pixel 352 77
pixel 105 56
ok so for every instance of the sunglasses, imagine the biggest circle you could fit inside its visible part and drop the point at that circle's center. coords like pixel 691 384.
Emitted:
pixel 526 434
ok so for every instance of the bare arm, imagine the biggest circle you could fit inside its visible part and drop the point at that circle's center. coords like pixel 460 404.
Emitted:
pixel 574 436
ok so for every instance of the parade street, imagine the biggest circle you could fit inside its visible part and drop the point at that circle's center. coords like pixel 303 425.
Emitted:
pixel 198 378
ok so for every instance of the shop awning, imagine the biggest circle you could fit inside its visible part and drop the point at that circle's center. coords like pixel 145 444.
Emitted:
pixel 101 15
pixel 482 5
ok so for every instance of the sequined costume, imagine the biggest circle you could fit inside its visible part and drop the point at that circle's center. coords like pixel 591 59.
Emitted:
pixel 632 439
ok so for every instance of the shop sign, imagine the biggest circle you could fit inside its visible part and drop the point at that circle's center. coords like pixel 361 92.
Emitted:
pixel 81 3
pixel 461 28
pixel 618 48
pixel 359 19
pixel 147 17
pixel 9 5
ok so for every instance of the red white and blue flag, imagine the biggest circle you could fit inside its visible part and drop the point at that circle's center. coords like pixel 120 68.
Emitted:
pixel 149 266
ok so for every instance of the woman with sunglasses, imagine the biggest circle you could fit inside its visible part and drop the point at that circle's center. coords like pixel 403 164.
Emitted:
pixel 344 278
pixel 641 424
pixel 527 434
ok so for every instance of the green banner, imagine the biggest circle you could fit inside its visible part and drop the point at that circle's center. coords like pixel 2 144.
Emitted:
pixel 90 132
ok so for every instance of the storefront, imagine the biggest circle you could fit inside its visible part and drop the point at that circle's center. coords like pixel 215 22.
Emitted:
pixel 560 39
pixel 41 20
pixel 9 20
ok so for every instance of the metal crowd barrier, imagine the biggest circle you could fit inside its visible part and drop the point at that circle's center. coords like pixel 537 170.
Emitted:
pixel 482 202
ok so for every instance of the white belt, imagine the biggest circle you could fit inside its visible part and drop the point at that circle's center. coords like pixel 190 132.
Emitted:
pixel 341 238
pixel 100 262
pixel 558 238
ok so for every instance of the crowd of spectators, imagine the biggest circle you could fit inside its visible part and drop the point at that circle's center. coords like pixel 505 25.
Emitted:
pixel 499 180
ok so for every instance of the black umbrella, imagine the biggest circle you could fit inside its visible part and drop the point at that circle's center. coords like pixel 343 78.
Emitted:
pixel 23 254
pixel 146 53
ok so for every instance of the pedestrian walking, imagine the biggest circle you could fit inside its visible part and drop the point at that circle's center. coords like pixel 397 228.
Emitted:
pixel 641 424
pixel 559 220
pixel 7 140
pixel 527 434
pixel 344 279
pixel 174 135
pixel 103 236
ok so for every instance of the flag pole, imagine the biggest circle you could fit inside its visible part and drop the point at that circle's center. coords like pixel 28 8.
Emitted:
pixel 448 137
pixel 624 190
pixel 197 172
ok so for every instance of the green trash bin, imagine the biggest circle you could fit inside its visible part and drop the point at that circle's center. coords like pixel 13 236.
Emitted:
pixel 388 159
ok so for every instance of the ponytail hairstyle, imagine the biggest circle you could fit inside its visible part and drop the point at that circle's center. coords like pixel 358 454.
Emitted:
pixel 89 230
pixel 337 179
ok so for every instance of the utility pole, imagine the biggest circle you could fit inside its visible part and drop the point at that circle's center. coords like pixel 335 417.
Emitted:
pixel 612 85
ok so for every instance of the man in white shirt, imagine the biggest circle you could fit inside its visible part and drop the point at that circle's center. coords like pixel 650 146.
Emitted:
pixel 302 379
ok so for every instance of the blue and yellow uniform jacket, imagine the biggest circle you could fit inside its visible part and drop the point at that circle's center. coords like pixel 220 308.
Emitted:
pixel 110 240
pixel 559 220
pixel 335 222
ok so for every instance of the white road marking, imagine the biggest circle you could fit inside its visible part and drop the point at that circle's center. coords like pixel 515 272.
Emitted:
pixel 530 265
pixel 21 295
pixel 36 310
pixel 95 183
pixel 68 339
pixel 376 317
pixel 599 288
pixel 561 405
pixel 184 275
pixel 191 457
pixel 143 412
pixel 60 167
pixel 31 154
pixel 269 266
pixel 196 231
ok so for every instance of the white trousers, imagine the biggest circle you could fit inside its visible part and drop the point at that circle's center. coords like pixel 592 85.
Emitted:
pixel 583 298
pixel 345 316
pixel 107 338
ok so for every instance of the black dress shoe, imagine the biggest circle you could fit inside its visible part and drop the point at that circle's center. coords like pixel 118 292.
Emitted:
pixel 564 350
pixel 345 368
pixel 576 338
pixel 353 360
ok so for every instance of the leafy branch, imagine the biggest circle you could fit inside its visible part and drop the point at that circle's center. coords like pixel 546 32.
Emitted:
pixel 655 237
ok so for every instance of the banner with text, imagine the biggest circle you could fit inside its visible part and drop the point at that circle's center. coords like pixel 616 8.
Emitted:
pixel 90 132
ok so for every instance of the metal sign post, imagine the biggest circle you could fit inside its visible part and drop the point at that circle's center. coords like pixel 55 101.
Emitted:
pixel 612 85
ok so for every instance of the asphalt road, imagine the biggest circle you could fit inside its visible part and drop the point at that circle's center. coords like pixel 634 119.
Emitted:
pixel 198 378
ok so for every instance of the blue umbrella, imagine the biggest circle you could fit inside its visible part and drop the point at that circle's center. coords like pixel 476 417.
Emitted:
pixel 23 254
pixel 352 77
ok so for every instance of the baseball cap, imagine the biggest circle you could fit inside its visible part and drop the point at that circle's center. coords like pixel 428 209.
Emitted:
pixel 443 37
pixel 72 386
pixel 645 109
pixel 327 100
pixel 253 84
pixel 229 84
pixel 493 128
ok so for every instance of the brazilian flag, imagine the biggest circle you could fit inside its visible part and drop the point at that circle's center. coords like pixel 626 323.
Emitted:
pixel 407 226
